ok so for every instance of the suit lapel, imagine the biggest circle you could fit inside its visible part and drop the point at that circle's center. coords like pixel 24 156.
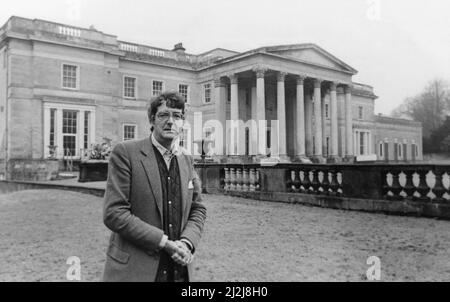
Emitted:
pixel 152 171
pixel 184 179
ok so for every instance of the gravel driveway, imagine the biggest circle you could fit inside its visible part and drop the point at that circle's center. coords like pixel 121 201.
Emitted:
pixel 244 240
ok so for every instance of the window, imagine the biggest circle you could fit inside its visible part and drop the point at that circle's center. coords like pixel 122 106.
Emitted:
pixel 229 93
pixel 70 76
pixel 207 131
pixel 247 97
pixel 327 114
pixel 328 146
pixel 360 113
pixel 247 141
pixel 399 148
pixel 129 87
pixel 207 95
pixel 416 148
pixel 69 132
pixel 184 138
pixel 381 147
pixel 129 132
pixel 362 142
pixel 314 145
pixel 86 129
pixel 157 88
pixel 68 129
pixel 52 127
pixel 184 91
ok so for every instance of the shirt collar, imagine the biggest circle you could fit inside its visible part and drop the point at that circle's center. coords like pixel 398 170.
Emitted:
pixel 174 150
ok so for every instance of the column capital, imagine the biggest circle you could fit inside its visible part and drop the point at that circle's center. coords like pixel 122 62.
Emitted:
pixel 260 71
pixel 333 86
pixel 233 78
pixel 317 82
pixel 300 79
pixel 348 88
pixel 218 82
pixel 281 76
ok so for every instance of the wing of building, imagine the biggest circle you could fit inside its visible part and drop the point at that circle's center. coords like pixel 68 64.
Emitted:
pixel 63 88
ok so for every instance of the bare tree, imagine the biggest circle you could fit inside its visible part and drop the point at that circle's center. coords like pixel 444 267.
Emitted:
pixel 429 107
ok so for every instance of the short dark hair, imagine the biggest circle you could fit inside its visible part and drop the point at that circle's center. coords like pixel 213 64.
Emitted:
pixel 172 99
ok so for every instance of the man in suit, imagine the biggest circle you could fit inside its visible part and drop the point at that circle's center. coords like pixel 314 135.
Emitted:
pixel 152 202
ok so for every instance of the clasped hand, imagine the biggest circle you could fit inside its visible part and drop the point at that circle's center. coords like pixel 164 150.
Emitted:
pixel 179 252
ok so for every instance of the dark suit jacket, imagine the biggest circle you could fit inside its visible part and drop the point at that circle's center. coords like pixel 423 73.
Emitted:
pixel 133 211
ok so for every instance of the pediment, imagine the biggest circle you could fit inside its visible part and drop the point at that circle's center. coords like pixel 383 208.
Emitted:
pixel 312 54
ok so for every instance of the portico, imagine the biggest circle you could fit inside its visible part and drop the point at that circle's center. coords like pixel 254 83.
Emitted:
pixel 280 103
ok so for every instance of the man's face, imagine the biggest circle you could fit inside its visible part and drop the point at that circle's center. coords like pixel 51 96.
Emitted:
pixel 167 123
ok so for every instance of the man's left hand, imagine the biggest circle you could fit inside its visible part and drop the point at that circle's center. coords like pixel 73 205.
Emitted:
pixel 184 258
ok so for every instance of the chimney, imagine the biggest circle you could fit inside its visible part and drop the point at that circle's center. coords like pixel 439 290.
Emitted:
pixel 179 49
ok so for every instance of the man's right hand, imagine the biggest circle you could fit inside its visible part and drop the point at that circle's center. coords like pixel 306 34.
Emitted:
pixel 172 248
pixel 177 251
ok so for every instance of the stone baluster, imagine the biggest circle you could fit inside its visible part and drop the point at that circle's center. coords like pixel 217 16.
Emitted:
pixel 301 187
pixel 227 179
pixel 232 179
pixel 439 189
pixel 423 187
pixel 409 187
pixel 396 188
pixel 290 177
pixel 448 188
pixel 333 183
pixel 257 183
pixel 326 182
pixel 338 184
pixel 238 179
pixel 245 180
pixel 386 186
pixel 315 181
pixel 340 189
pixel 252 180
pixel 297 182
pixel 306 181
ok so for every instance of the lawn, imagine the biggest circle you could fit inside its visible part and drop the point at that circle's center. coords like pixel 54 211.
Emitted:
pixel 244 240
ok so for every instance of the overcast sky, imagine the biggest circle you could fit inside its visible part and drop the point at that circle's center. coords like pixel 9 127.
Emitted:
pixel 397 46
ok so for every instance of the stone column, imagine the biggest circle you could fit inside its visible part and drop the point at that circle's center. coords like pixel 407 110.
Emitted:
pixel 234 97
pixel 47 132
pixel 234 116
pixel 300 150
pixel 349 154
pixel 281 114
pixel 324 123
pixel 261 110
pixel 318 120
pixel 308 125
pixel 220 91
pixel 334 122
pixel 59 135
pixel 254 132
pixel 80 135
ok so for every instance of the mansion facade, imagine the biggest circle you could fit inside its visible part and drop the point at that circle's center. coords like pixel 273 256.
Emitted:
pixel 64 88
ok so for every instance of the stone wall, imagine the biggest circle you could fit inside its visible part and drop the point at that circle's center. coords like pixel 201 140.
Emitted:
pixel 350 187
pixel 33 170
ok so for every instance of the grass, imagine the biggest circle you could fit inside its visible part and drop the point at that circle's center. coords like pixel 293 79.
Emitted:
pixel 244 240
